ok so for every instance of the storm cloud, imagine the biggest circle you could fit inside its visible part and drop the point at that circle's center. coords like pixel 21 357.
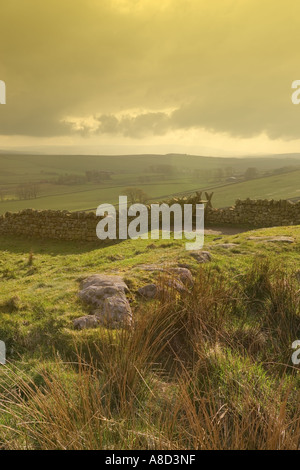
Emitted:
pixel 141 68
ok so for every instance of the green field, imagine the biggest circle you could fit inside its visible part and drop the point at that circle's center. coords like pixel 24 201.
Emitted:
pixel 157 175
pixel 273 187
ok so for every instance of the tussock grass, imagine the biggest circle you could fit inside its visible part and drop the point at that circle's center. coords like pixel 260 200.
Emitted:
pixel 206 369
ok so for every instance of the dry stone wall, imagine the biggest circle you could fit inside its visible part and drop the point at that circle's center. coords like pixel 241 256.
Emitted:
pixel 64 225
pixel 256 213
pixel 57 225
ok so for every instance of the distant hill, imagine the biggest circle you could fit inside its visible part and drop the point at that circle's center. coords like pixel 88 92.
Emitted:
pixel 61 180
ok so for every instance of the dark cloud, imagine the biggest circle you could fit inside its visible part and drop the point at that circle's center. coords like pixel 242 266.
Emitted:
pixel 226 66
pixel 135 126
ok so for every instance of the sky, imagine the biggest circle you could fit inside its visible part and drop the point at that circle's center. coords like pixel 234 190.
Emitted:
pixel 150 76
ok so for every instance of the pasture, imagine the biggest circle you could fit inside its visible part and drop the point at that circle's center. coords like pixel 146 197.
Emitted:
pixel 60 181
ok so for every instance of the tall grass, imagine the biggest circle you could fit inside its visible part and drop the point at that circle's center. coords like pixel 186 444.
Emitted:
pixel 193 373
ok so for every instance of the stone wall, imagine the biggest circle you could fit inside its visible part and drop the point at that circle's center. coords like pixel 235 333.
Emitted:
pixel 256 213
pixel 58 225
pixel 64 225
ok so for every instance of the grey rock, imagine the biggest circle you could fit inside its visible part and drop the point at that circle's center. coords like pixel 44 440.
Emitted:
pixel 149 291
pixel 174 284
pixel 184 274
pixel 104 280
pixel 115 312
pixel 87 321
pixel 201 256
pixel 95 295
pixel 167 286
pixel 106 294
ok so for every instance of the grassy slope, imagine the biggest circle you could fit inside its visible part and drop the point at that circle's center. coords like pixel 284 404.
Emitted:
pixel 48 287
pixel 273 187
pixel 39 300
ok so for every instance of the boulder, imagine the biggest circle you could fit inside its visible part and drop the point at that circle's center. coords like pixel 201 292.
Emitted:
pixel 172 278
pixel 183 274
pixel 87 321
pixel 201 256
pixel 174 284
pixel 115 312
pixel 168 285
pixel 104 280
pixel 106 295
pixel 149 291
pixel 96 295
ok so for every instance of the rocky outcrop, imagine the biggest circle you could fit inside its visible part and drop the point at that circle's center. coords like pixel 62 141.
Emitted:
pixel 201 256
pixel 150 291
pixel 181 273
pixel 106 295
pixel 172 279
pixel 87 321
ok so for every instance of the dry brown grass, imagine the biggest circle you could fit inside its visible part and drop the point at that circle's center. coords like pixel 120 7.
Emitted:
pixel 192 374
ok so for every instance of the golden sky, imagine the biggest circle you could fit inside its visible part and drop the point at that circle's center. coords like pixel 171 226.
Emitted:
pixel 199 76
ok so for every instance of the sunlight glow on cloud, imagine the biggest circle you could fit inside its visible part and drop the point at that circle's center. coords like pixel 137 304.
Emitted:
pixel 142 69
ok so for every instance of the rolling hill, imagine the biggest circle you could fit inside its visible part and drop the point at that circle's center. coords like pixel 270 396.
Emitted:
pixel 158 176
